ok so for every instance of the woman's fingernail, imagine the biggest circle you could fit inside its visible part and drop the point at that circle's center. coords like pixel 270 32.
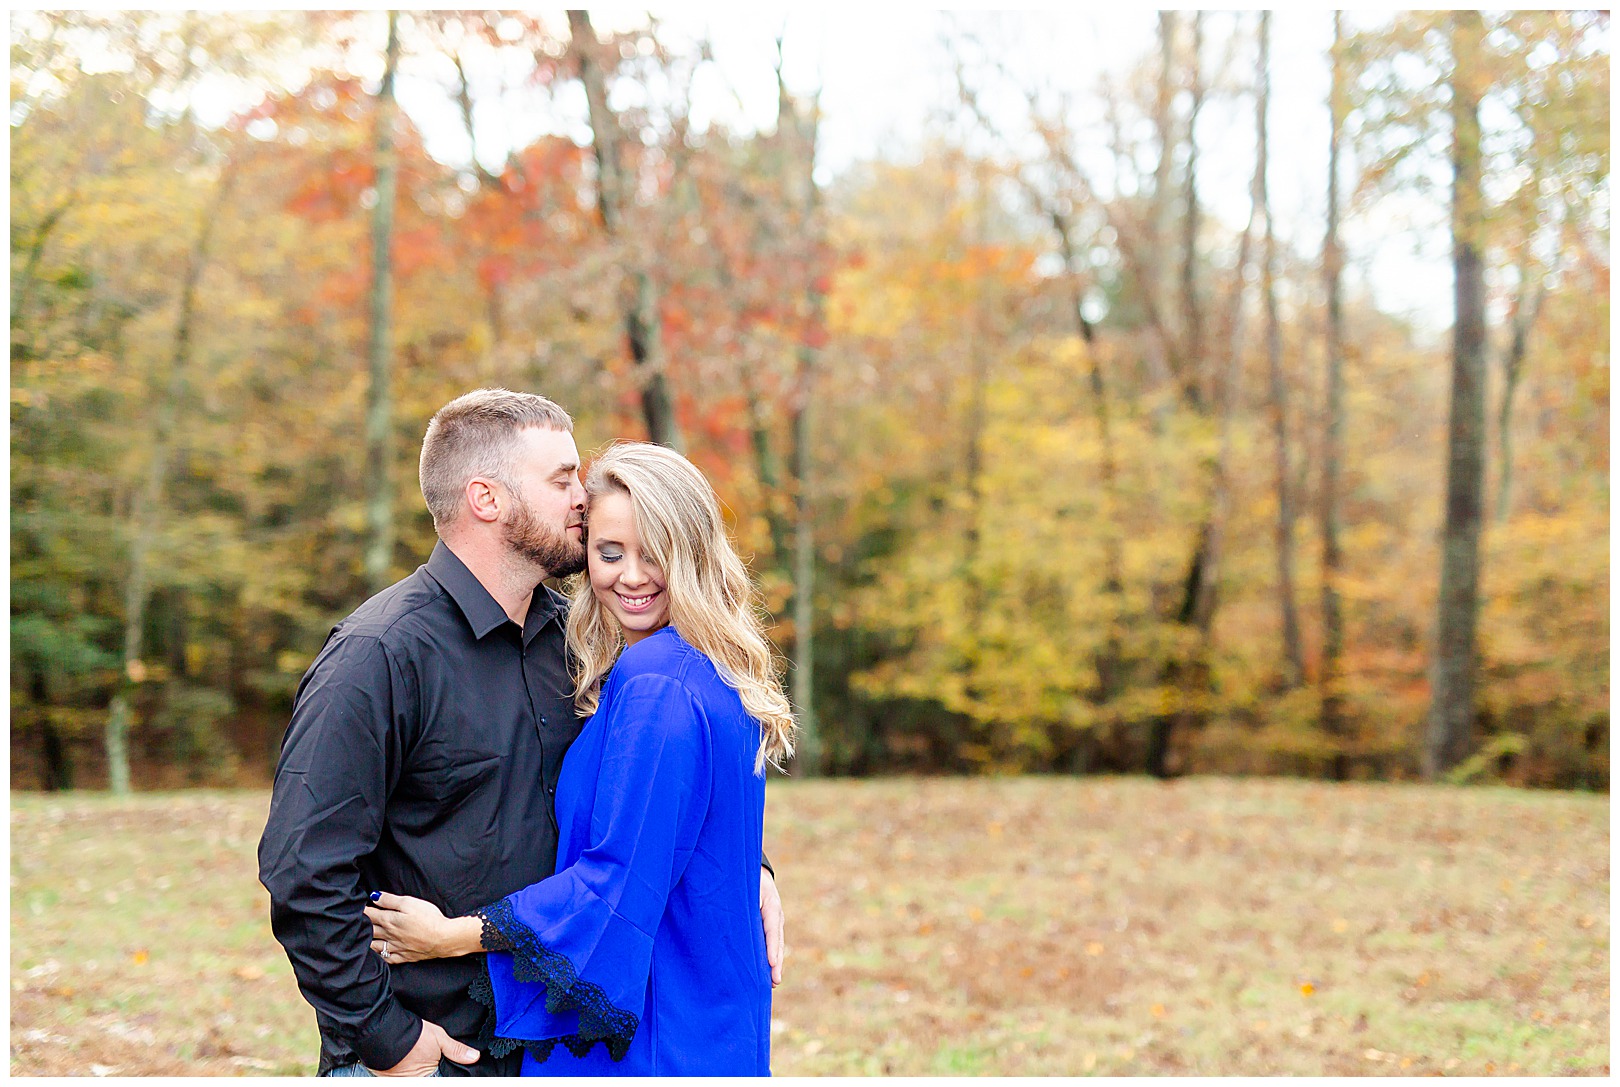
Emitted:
pixel 376 895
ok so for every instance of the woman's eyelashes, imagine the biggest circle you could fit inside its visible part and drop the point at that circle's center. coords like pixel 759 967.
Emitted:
pixel 609 556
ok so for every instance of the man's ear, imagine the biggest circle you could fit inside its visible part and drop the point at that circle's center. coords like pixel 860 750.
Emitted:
pixel 483 500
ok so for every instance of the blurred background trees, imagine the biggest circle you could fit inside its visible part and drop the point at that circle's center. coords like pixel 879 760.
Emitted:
pixel 1045 461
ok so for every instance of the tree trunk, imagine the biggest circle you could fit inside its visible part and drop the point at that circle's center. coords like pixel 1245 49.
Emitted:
pixel 1147 257
pixel 465 103
pixel 1109 662
pixel 767 465
pixel 56 768
pixel 639 299
pixel 800 192
pixel 1526 307
pixel 1452 710
pixel 22 286
pixel 1331 679
pixel 974 426
pixel 604 131
pixel 767 469
pixel 1191 675
pixel 1293 651
pixel 147 515
pixel 808 756
pixel 1192 351
pixel 1187 674
pixel 645 328
pixel 494 306
pixel 379 400
pixel 1224 393
pixel 58 765
pixel 973 475
pixel 1160 216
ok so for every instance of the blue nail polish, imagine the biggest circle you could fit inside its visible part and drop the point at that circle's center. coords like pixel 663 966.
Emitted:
pixel 376 895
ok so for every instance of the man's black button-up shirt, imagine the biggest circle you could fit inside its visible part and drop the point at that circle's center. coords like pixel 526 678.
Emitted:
pixel 422 759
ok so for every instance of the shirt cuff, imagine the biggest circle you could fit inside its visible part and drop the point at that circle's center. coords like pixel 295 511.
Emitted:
pixel 390 1037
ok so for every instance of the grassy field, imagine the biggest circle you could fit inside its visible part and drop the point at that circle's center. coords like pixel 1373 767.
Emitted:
pixel 942 927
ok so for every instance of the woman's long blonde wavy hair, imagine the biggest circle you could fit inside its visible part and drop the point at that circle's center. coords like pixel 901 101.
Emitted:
pixel 712 603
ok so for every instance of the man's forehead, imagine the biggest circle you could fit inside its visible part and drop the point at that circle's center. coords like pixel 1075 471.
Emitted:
pixel 551 450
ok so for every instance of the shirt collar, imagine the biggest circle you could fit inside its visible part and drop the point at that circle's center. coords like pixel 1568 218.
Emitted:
pixel 544 606
pixel 482 612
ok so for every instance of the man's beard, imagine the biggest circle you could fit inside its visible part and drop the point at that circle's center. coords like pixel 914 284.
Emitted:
pixel 543 545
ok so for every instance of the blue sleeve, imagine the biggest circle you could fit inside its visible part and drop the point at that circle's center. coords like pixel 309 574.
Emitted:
pixel 582 939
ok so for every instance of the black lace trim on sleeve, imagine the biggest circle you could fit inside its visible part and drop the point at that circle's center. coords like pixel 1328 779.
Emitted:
pixel 491 938
pixel 532 961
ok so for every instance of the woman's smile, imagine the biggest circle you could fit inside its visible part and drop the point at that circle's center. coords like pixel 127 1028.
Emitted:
pixel 629 585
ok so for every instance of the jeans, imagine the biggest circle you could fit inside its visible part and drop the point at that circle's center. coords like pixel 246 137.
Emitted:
pixel 358 1069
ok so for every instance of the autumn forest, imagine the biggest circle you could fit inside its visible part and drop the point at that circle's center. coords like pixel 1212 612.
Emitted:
pixel 1044 460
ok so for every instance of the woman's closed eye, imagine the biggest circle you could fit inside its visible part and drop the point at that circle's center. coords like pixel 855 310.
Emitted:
pixel 610 556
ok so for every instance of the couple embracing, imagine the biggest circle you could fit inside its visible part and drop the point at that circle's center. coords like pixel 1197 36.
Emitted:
pixel 513 832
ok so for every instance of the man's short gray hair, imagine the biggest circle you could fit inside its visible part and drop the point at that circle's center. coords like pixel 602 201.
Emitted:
pixel 476 435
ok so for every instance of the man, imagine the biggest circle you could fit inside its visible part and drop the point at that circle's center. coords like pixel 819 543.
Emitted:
pixel 426 742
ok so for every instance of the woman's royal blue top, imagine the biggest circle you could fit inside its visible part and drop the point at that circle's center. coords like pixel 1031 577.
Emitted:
pixel 644 955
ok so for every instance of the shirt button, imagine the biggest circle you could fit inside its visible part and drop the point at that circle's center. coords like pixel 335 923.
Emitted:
pixel 552 789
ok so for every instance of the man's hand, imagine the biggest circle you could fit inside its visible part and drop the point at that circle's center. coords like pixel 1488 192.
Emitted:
pixel 423 1059
pixel 770 913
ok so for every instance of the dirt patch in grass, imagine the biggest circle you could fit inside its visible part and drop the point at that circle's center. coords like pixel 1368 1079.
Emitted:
pixel 1033 926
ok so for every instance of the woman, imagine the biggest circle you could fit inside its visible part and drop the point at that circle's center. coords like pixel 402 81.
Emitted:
pixel 647 939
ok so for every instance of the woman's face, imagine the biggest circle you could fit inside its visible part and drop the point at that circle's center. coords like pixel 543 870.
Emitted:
pixel 629 586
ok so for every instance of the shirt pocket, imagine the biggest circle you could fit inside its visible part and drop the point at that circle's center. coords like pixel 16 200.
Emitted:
pixel 443 776
pixel 448 805
pixel 453 773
